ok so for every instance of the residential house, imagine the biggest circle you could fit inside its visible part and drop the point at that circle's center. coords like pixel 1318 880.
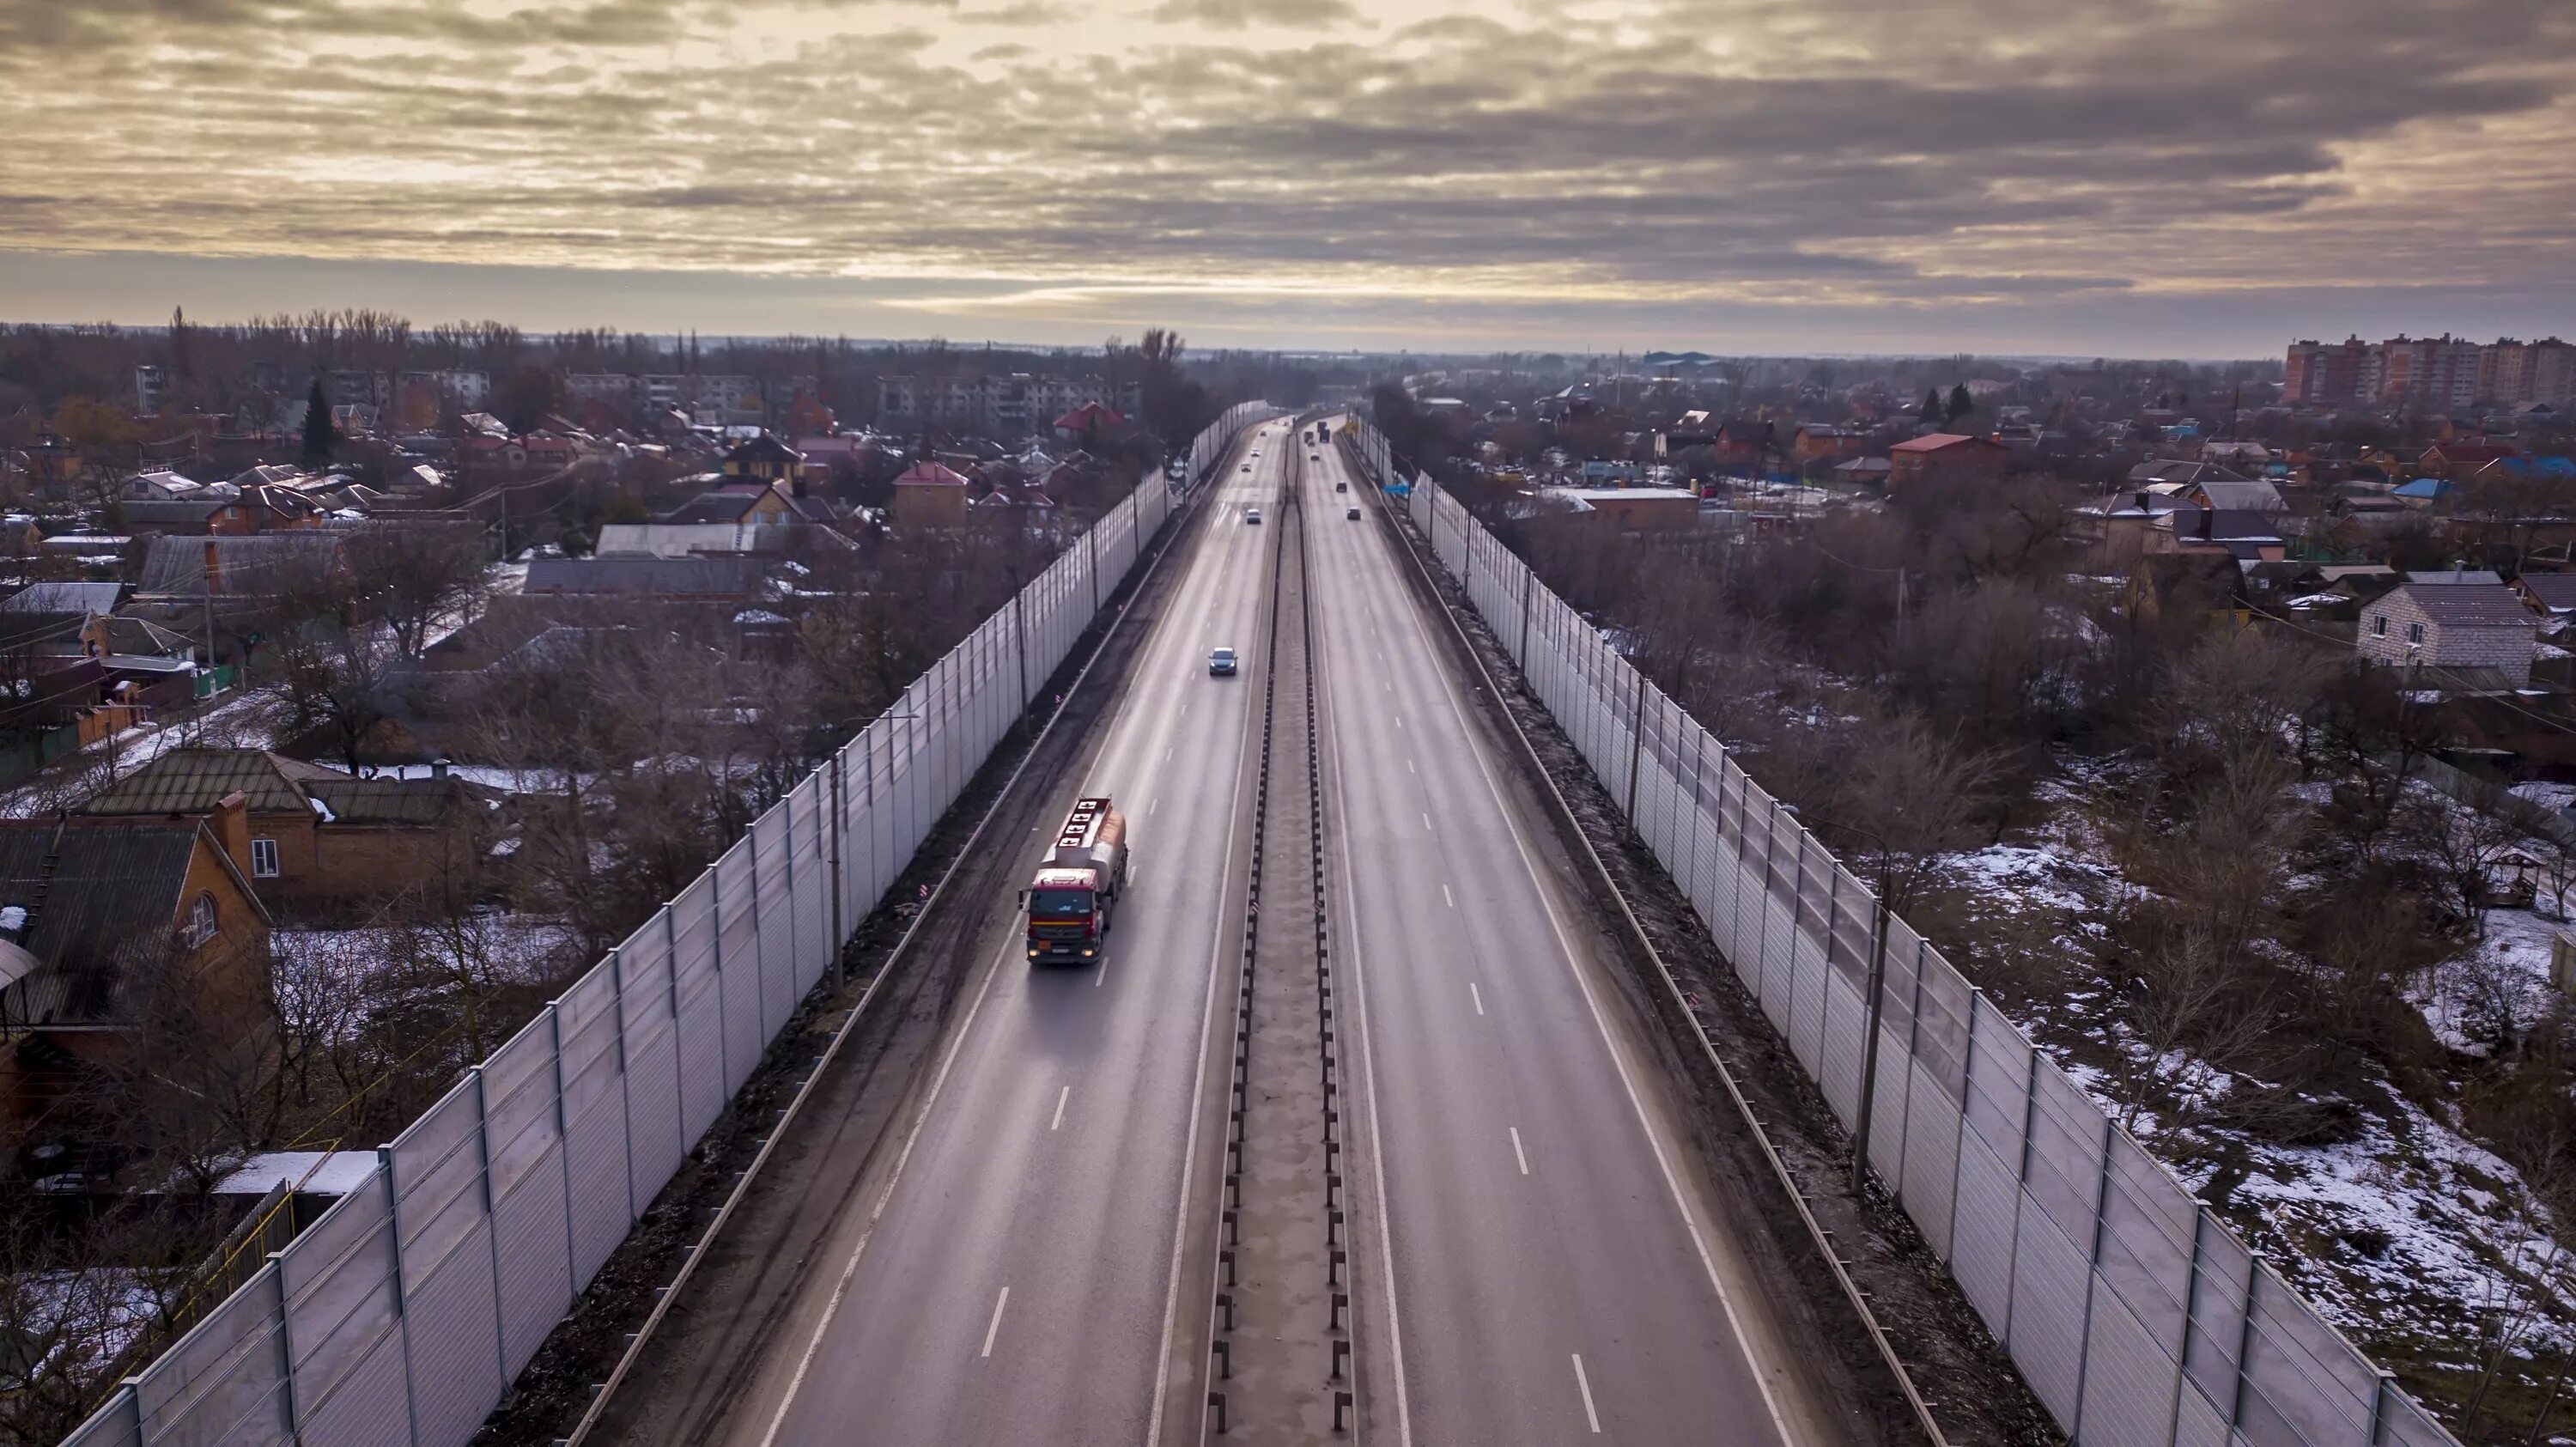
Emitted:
pixel 2459 461
pixel 2449 627
pixel 1627 509
pixel 1864 471
pixel 106 926
pixel 697 577
pixel 2237 495
pixel 681 540
pixel 1946 457
pixel 2180 474
pixel 2551 595
pixel 2119 524
pixel 765 459
pixel 749 503
pixel 313 833
pixel 929 495
pixel 2248 537
pixel 257 566
pixel 2423 492
pixel 1816 442
pixel 1087 421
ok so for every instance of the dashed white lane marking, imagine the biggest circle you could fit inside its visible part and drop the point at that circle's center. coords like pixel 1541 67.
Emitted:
pixel 1447 898
pixel 1408 768
pixel 1157 804
pixel 1583 1384
pixel 1167 753
pixel 1479 997
pixel 1517 1153
pixel 1426 822
pixel 996 1328
pixel 1061 1097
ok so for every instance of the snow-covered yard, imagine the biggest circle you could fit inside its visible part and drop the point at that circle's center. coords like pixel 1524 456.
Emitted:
pixel 2401 1226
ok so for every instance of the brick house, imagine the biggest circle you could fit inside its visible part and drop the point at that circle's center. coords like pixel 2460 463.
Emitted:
pixel 312 833
pixel 2449 626
pixel 1946 457
pixel 930 495
pixel 106 924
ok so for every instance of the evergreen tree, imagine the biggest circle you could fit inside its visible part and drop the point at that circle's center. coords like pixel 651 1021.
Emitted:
pixel 1961 404
pixel 319 435
pixel 1929 414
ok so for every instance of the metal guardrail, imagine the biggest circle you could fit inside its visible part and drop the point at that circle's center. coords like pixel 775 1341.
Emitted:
pixel 2138 1317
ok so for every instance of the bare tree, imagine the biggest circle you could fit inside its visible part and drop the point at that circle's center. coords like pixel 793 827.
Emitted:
pixel 418 579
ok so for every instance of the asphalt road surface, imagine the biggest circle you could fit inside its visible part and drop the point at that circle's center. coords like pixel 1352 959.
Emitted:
pixel 1013 1281
pixel 1550 1272
pixel 1537 1258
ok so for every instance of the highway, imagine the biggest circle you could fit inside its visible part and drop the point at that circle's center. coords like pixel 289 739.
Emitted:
pixel 1012 1281
pixel 1027 1257
pixel 1551 1273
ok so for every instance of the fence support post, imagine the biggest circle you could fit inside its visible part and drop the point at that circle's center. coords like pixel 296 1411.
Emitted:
pixel 286 1340
pixel 491 1227
pixel 671 988
pixel 1020 636
pixel 832 836
pixel 402 1293
pixel 1869 1042
pixel 1636 747
pixel 1529 579
pixel 563 1132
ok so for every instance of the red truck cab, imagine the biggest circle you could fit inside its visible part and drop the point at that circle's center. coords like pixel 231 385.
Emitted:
pixel 1075 893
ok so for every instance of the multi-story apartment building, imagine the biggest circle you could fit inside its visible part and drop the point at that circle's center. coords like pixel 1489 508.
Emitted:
pixel 722 396
pixel 995 404
pixel 2432 373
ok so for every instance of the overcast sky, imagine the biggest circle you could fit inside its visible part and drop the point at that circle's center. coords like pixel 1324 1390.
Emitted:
pixel 2166 177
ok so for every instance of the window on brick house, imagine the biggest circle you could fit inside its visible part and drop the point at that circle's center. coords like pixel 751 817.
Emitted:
pixel 2379 624
pixel 201 920
pixel 263 858
pixel 2414 632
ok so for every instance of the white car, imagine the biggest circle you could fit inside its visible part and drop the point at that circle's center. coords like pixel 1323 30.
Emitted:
pixel 1252 514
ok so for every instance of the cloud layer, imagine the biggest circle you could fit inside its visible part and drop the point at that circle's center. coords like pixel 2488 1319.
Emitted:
pixel 1029 164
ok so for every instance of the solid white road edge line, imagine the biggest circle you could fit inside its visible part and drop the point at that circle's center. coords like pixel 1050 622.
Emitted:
pixel 995 1329
pixel 876 1213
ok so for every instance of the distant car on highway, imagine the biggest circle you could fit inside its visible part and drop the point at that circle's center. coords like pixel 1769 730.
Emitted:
pixel 1341 486
pixel 1221 662
pixel 1252 514
pixel 1314 457
pixel 1353 513
pixel 1247 467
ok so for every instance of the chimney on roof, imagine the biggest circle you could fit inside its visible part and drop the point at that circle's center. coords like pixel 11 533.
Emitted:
pixel 231 824
pixel 214 568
